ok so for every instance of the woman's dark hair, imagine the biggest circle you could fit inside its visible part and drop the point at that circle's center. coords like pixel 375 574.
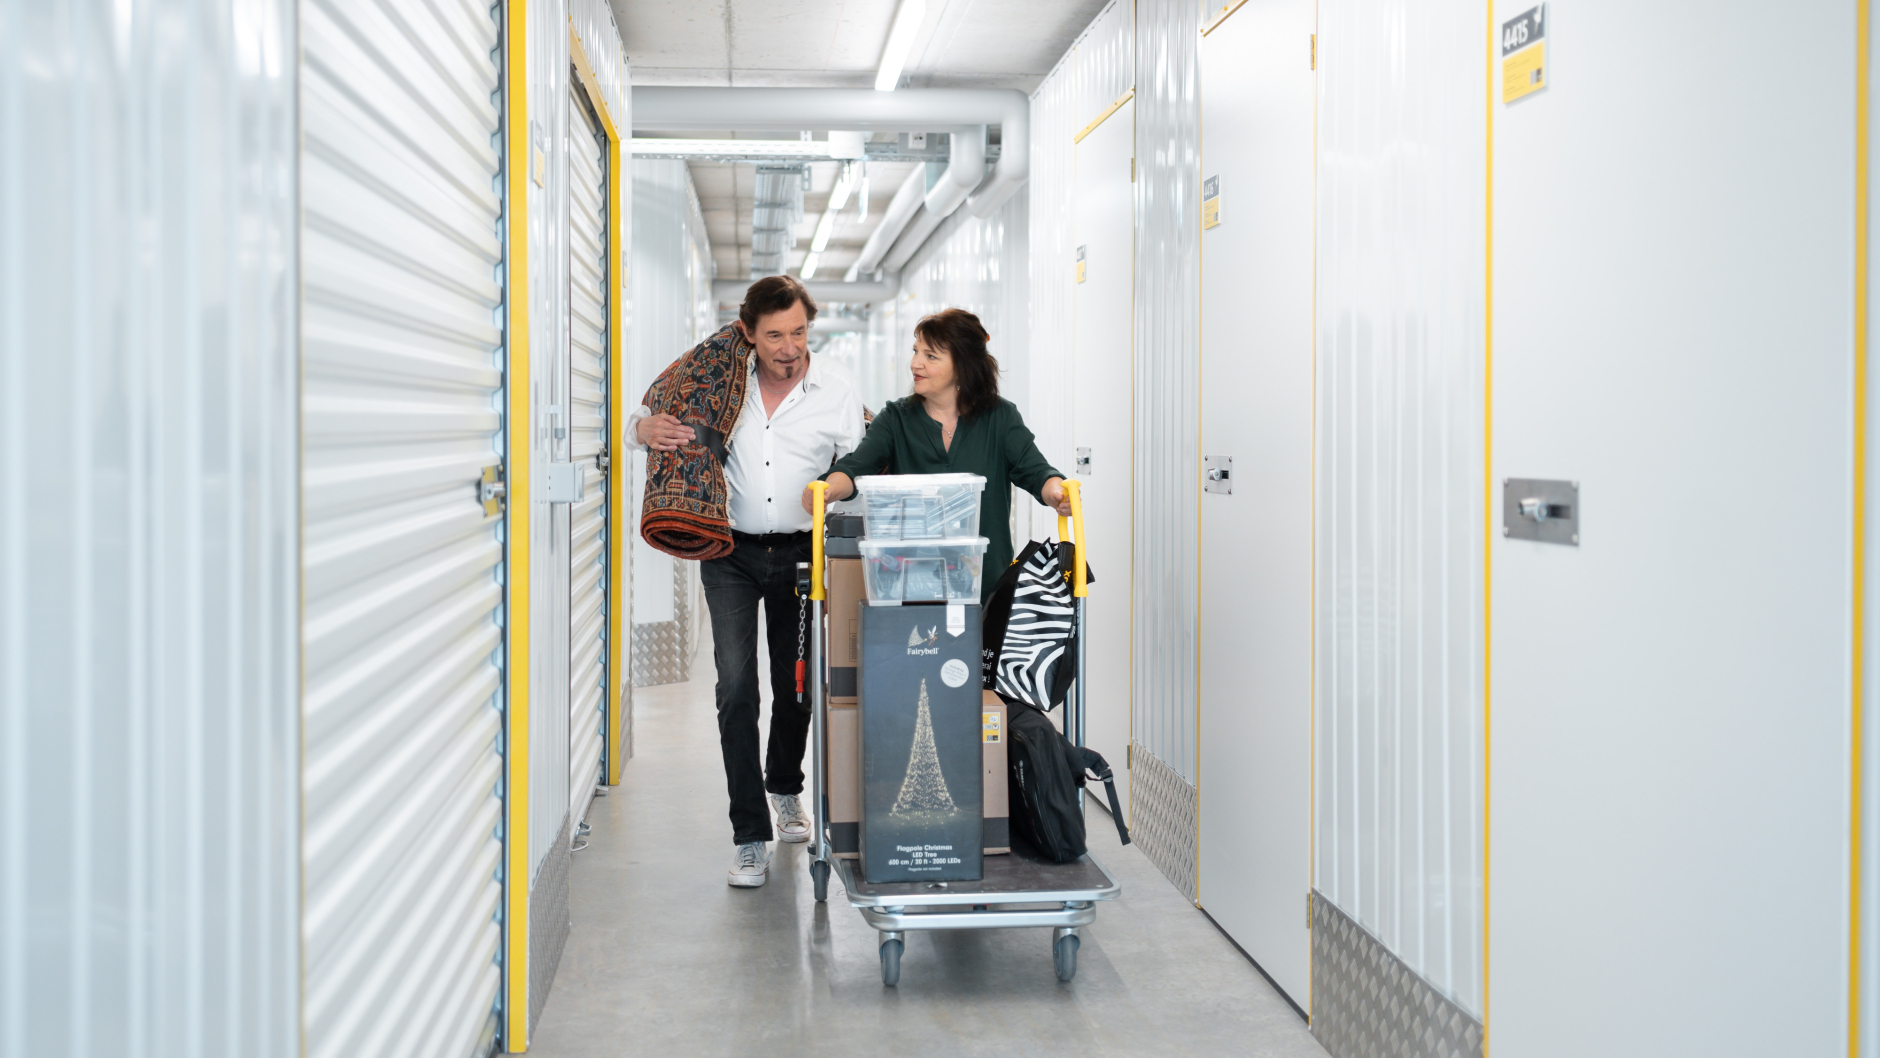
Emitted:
pixel 974 370
pixel 773 294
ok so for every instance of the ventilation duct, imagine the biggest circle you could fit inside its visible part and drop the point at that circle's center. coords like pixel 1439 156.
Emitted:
pixel 774 216
pixel 793 109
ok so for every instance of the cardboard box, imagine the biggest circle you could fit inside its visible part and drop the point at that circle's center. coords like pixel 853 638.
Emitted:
pixel 923 756
pixel 845 600
pixel 842 741
pixel 994 731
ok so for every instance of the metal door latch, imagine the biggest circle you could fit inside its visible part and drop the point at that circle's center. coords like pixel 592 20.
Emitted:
pixel 1217 474
pixel 601 461
pixel 1083 461
pixel 566 483
pixel 491 490
pixel 1542 510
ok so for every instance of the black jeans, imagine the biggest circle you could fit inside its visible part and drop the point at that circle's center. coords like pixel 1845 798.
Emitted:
pixel 758 568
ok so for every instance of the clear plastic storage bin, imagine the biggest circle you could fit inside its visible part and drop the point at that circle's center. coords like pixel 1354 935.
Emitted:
pixel 921 506
pixel 925 571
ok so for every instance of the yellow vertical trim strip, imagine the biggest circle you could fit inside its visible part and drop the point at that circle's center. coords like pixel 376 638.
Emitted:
pixel 1488 470
pixel 617 458
pixel 1862 83
pixel 516 528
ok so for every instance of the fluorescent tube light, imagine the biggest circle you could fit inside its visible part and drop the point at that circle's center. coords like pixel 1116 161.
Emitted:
pixel 900 42
pixel 809 264
pixel 827 224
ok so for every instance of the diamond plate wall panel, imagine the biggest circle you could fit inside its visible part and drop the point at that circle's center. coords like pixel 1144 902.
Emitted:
pixel 662 650
pixel 1162 819
pixel 548 922
pixel 1366 1003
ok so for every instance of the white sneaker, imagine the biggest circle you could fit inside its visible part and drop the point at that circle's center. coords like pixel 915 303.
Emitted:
pixel 751 865
pixel 791 823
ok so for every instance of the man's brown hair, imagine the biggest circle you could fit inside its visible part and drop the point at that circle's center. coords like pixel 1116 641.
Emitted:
pixel 975 371
pixel 773 294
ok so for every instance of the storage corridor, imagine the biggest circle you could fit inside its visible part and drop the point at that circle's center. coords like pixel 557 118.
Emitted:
pixel 664 958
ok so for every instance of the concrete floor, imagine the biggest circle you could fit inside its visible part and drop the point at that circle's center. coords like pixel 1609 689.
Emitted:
pixel 665 958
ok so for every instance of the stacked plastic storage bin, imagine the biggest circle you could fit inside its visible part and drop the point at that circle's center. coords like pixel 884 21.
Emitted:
pixel 921 541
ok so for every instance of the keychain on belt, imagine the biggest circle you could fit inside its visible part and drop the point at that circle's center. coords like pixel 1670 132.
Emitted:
pixel 802 620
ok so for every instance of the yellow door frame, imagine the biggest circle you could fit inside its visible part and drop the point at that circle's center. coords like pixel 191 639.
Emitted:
pixel 516 160
pixel 519 156
pixel 616 411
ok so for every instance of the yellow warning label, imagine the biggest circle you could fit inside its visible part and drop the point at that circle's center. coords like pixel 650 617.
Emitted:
pixel 1210 213
pixel 1080 264
pixel 989 727
pixel 1522 73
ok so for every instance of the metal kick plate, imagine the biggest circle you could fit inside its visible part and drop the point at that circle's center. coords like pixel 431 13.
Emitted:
pixel 1217 474
pixel 1541 509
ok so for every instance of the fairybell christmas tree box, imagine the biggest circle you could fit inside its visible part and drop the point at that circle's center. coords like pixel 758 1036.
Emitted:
pixel 922 743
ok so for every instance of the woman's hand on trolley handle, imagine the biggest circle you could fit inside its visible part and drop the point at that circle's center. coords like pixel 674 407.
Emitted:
pixel 1055 497
pixel 841 487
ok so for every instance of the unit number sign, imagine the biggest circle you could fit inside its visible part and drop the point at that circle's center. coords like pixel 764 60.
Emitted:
pixel 1523 46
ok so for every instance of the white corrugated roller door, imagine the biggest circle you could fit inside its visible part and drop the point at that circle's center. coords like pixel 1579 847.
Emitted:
pixel 400 407
pixel 587 436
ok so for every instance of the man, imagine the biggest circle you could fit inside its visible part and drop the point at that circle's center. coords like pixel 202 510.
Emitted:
pixel 798 417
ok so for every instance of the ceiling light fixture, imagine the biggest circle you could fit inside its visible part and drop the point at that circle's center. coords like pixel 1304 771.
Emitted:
pixel 809 265
pixel 900 42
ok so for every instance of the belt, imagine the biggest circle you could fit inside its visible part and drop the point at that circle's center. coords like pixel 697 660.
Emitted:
pixel 771 539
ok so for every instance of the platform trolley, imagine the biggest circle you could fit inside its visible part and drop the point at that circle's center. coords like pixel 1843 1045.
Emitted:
pixel 1019 888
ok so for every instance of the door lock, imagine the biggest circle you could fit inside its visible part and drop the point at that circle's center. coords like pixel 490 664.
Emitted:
pixel 1217 474
pixel 565 483
pixel 1542 510
pixel 491 490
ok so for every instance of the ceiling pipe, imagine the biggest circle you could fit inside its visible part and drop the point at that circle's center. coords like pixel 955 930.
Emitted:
pixel 731 291
pixel 791 109
pixel 964 172
pixel 900 210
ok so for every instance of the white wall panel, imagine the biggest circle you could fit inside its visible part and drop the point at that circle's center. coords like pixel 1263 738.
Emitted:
pixel 1052 209
pixel 1670 698
pixel 548 440
pixel 1167 387
pixel 1257 96
pixel 1399 480
pixel 593 22
pixel 1103 62
pixel 149 673
pixel 1100 382
pixel 668 279
pixel 400 412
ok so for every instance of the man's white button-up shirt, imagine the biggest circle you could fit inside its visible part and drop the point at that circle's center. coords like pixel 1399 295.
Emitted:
pixel 774 455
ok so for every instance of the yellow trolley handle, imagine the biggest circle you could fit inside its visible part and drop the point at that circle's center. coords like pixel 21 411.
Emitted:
pixel 1078 573
pixel 821 490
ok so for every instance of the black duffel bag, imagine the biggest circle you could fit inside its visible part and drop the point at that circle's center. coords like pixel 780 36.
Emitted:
pixel 1047 771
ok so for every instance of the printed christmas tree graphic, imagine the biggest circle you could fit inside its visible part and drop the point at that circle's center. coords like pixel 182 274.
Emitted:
pixel 913 637
pixel 925 788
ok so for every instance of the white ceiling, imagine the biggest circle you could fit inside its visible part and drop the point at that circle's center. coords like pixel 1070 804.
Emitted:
pixel 831 44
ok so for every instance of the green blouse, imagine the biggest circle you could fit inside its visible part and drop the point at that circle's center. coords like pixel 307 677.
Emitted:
pixel 993 443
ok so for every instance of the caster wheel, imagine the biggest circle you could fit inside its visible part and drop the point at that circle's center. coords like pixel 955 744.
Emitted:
pixel 891 962
pixel 819 874
pixel 1064 956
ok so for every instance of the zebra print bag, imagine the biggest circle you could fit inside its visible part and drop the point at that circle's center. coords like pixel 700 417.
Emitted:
pixel 1029 631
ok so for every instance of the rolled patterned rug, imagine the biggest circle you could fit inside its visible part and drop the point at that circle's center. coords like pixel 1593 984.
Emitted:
pixel 687 508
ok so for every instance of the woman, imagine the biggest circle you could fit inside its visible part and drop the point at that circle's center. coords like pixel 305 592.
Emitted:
pixel 956 423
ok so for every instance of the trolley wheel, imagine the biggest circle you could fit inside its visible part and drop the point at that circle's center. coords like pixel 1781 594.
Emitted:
pixel 891 962
pixel 1064 956
pixel 819 874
